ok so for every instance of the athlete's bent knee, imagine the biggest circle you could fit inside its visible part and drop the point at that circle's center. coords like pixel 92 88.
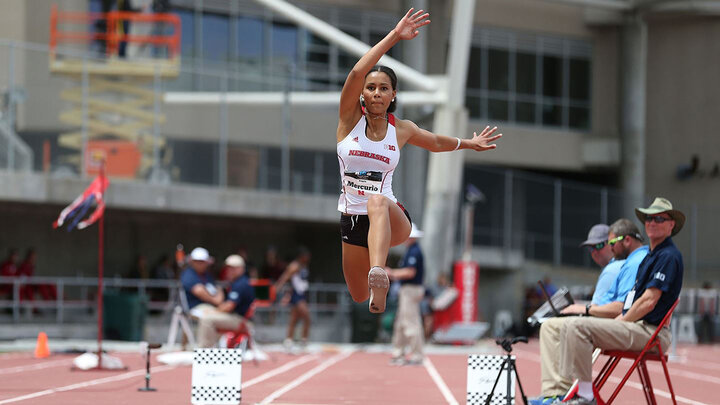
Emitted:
pixel 360 296
pixel 377 204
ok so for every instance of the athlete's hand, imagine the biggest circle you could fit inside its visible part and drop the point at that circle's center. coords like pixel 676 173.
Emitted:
pixel 408 25
pixel 485 140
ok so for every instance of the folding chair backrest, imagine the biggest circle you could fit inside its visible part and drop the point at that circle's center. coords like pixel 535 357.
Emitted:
pixel 183 300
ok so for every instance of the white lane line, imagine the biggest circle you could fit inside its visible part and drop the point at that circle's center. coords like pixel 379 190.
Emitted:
pixel 84 384
pixel 439 382
pixel 292 384
pixel 279 370
pixel 38 366
pixel 661 393
pixel 657 368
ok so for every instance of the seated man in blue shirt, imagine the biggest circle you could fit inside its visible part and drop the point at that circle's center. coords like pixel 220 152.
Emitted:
pixel 232 313
pixel 625 244
pixel 657 287
pixel 199 284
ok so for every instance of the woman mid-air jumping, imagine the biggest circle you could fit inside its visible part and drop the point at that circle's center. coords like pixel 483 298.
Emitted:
pixel 369 139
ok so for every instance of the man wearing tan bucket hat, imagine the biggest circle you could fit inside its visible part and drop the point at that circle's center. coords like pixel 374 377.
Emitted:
pixel 657 287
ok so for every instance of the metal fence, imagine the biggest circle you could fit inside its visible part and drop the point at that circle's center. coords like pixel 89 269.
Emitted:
pixel 547 218
pixel 75 298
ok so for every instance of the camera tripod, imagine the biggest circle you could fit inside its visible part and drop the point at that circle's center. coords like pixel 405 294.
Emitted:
pixel 508 363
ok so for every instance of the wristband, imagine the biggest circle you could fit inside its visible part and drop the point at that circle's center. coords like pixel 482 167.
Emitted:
pixel 587 309
pixel 458 145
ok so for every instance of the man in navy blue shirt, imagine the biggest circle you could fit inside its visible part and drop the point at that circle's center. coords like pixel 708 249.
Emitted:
pixel 408 329
pixel 199 284
pixel 232 313
pixel 657 287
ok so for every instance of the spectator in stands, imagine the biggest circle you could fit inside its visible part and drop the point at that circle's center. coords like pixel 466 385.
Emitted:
pixel 235 311
pixel 408 330
pixel 8 268
pixel 298 273
pixel 706 308
pixel 273 267
pixel 657 287
pixel 625 245
pixel 164 269
pixel 140 268
pixel 199 285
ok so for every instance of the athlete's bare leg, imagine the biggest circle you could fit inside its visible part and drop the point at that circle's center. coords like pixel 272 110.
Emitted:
pixel 293 320
pixel 388 227
pixel 356 263
pixel 304 315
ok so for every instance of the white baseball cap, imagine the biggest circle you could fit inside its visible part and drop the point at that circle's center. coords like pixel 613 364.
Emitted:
pixel 235 261
pixel 415 232
pixel 201 255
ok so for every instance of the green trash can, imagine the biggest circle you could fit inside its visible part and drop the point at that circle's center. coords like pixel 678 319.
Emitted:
pixel 365 324
pixel 123 315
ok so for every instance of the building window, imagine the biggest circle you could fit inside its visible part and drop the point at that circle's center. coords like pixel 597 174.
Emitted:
pixel 530 80
pixel 260 45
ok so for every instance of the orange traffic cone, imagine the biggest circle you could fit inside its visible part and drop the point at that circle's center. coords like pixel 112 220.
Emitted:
pixel 41 348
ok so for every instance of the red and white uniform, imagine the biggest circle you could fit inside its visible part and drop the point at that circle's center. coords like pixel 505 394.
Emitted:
pixel 357 153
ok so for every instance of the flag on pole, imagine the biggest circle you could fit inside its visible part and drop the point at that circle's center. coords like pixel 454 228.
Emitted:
pixel 76 211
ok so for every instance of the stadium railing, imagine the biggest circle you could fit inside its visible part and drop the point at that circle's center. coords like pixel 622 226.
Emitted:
pixel 78 294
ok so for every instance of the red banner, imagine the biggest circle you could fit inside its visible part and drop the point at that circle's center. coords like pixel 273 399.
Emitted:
pixel 465 308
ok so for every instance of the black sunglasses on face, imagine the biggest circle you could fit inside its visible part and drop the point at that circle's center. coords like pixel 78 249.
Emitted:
pixel 657 219
pixel 597 246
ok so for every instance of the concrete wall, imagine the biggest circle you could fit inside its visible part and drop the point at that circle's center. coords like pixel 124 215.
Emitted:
pixel 683 95
pixel 683 98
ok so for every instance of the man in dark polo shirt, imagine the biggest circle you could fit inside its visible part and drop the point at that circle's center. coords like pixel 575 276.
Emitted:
pixel 657 287
pixel 408 329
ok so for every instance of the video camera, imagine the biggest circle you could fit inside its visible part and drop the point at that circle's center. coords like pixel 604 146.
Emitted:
pixel 507 343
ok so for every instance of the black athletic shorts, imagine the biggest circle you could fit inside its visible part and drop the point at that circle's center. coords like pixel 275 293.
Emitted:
pixel 354 228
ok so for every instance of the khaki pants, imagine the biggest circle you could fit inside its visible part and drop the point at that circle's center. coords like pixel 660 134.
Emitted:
pixel 566 346
pixel 408 330
pixel 210 320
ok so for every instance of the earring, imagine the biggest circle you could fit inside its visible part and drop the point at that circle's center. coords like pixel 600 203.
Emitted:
pixel 393 100
pixel 362 101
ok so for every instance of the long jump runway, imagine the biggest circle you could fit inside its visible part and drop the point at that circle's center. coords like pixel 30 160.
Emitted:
pixel 330 375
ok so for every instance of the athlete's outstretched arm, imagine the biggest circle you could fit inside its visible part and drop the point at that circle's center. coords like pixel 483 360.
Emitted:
pixel 405 29
pixel 441 143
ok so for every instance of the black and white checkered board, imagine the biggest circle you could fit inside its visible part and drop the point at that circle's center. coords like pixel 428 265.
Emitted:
pixel 482 372
pixel 216 376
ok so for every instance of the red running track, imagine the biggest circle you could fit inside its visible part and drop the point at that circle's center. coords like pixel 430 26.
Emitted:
pixel 329 376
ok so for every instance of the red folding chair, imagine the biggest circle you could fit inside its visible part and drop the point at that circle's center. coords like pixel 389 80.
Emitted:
pixel 647 353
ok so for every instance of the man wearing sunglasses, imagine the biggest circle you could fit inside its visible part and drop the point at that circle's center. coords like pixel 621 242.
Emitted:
pixel 657 287
pixel 624 243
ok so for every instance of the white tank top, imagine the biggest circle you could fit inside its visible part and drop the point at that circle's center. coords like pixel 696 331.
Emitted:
pixel 366 167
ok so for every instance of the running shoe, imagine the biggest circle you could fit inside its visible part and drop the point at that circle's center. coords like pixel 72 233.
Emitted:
pixel 288 345
pixel 541 400
pixel 576 400
pixel 379 284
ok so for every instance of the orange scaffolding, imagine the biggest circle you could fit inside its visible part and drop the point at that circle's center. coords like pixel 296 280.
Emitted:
pixel 114 34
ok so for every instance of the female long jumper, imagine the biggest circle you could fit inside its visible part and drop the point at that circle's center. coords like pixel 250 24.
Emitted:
pixel 369 139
